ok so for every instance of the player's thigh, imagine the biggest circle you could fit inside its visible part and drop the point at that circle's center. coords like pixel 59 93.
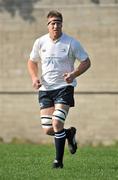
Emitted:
pixel 47 111
pixel 59 116
pixel 62 106
pixel 46 119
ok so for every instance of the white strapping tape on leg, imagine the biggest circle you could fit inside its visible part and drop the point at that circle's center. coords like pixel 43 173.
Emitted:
pixel 46 121
pixel 60 115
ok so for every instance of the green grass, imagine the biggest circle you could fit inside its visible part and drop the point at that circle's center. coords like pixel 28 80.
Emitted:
pixel 33 162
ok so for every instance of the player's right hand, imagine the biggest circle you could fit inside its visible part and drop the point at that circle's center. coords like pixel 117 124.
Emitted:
pixel 36 83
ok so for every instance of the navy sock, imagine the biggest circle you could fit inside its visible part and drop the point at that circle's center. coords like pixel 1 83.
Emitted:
pixel 60 144
pixel 67 131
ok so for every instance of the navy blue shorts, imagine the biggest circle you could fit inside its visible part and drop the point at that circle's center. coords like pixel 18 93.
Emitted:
pixel 63 95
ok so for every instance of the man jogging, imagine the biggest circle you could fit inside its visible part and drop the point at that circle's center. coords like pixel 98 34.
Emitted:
pixel 57 52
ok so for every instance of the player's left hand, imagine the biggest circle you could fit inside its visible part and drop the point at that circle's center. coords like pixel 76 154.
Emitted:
pixel 68 77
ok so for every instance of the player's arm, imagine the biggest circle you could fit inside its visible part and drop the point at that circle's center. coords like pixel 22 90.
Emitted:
pixel 83 66
pixel 33 71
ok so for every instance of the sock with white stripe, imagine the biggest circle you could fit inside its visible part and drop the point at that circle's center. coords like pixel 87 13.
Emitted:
pixel 60 144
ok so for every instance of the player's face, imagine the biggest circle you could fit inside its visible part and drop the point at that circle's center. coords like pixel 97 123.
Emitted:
pixel 54 27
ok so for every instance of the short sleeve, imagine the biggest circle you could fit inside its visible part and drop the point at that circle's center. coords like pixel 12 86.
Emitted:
pixel 78 51
pixel 34 55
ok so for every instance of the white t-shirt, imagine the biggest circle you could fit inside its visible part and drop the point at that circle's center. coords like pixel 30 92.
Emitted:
pixel 56 58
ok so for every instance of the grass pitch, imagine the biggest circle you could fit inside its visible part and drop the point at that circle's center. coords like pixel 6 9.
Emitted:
pixel 34 162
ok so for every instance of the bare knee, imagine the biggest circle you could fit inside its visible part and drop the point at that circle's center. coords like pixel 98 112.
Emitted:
pixel 48 131
pixel 57 125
